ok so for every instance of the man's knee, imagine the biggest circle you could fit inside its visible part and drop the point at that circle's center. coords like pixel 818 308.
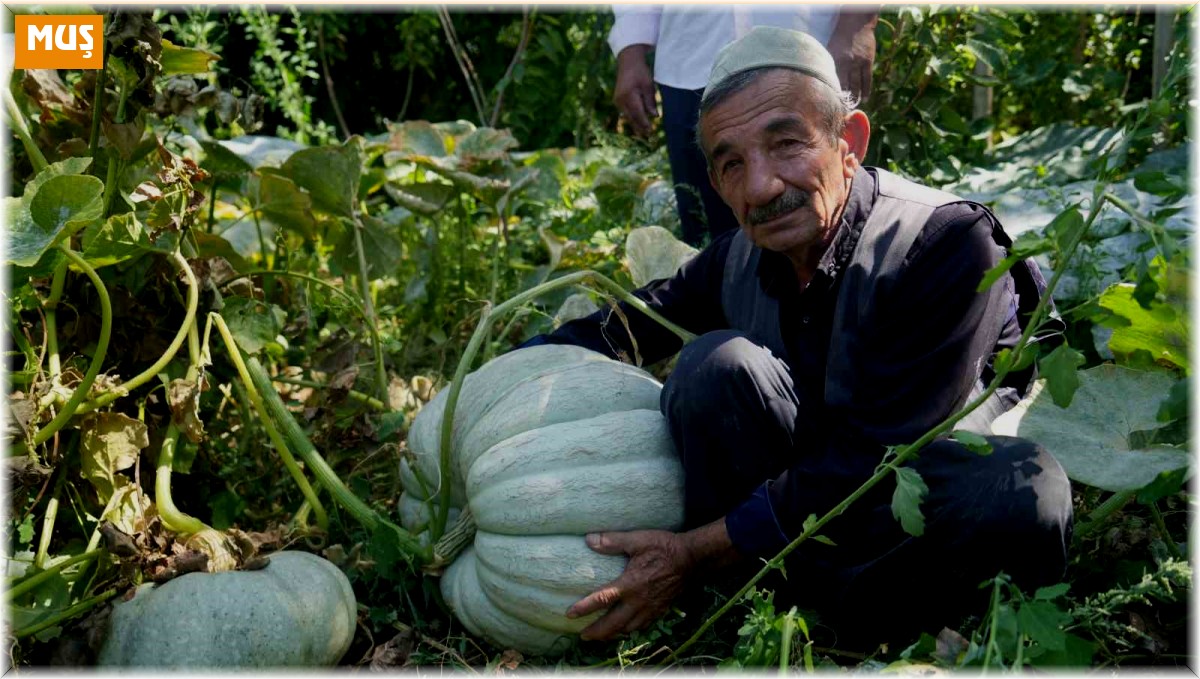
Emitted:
pixel 1009 509
pixel 725 372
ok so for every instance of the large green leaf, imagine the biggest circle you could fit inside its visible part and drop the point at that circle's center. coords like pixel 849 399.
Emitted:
pixel 26 240
pixel 381 247
pixel 1162 329
pixel 416 138
pixel 252 323
pixel 66 203
pixel 282 201
pixel 178 60
pixel 70 166
pixel 616 191
pixel 1096 438
pixel 57 202
pixel 652 252
pixel 223 163
pixel 120 237
pixel 330 174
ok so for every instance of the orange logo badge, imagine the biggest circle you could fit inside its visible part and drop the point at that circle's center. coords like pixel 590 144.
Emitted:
pixel 59 41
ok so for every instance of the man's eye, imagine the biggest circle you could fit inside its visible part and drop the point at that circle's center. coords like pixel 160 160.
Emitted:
pixel 729 165
pixel 787 143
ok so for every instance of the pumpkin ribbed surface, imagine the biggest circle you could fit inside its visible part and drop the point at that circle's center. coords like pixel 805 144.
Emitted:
pixel 297 611
pixel 566 442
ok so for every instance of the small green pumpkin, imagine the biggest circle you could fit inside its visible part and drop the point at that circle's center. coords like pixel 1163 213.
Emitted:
pixel 550 443
pixel 297 611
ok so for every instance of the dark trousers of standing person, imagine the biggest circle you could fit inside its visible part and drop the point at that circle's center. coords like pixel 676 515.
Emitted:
pixel 1007 511
pixel 689 172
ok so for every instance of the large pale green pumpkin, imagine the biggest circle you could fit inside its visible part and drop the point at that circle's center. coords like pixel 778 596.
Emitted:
pixel 549 443
pixel 297 611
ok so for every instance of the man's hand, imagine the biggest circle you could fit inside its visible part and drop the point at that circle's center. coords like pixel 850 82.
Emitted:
pixel 853 48
pixel 634 91
pixel 659 563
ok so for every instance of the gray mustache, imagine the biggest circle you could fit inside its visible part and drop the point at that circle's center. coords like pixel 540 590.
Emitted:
pixel 792 199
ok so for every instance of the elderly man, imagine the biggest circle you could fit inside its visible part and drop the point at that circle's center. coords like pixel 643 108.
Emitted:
pixel 841 318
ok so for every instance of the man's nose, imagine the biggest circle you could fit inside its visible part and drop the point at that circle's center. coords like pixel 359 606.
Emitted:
pixel 763 183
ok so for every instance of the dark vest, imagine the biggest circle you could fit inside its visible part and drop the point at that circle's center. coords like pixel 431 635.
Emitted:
pixel 901 210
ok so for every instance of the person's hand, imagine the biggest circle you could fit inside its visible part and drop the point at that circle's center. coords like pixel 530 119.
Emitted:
pixel 853 48
pixel 634 91
pixel 658 563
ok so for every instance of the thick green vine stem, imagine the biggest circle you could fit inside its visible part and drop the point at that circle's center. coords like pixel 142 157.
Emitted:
pixel 172 517
pixel 81 390
pixel 588 278
pixel 77 609
pixel 369 518
pixel 21 129
pixel 256 399
pixel 907 452
pixel 51 306
pixel 30 583
pixel 193 301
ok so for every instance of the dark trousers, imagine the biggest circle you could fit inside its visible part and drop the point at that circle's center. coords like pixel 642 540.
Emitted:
pixel 731 409
pixel 701 210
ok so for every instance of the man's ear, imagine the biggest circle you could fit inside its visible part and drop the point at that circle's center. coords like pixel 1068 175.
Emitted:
pixel 712 179
pixel 856 135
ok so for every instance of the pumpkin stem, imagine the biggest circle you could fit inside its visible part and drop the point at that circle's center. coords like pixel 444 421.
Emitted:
pixel 453 542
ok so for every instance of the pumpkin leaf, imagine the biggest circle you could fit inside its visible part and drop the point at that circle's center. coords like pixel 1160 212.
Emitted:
pixel 1177 405
pixel 282 201
pixel 121 237
pixel 1095 439
pixel 70 166
pixel 110 442
pixel 1060 371
pixel 27 241
pixel 252 323
pixel 1042 621
pixel 906 501
pixel 62 205
pixel 381 249
pixel 616 191
pixel 652 252
pixel 330 174
pixel 416 138
pixel 178 60
pixel 1155 322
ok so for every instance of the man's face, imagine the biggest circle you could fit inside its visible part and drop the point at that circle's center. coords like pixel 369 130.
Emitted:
pixel 775 166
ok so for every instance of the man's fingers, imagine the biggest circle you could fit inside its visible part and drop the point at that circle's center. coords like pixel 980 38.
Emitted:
pixel 614 544
pixel 866 83
pixel 605 597
pixel 610 624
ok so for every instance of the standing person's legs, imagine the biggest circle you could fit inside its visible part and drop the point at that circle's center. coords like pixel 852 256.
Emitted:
pixel 689 173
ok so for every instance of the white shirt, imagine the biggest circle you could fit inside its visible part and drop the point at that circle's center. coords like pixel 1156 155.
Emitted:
pixel 686 38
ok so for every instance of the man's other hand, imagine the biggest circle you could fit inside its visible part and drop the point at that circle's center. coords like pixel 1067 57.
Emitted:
pixel 853 48
pixel 634 91
pixel 658 562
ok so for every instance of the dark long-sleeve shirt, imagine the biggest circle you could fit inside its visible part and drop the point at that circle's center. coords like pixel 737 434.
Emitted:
pixel 927 351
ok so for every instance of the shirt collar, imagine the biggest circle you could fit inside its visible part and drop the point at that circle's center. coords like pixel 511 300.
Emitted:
pixel 775 271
